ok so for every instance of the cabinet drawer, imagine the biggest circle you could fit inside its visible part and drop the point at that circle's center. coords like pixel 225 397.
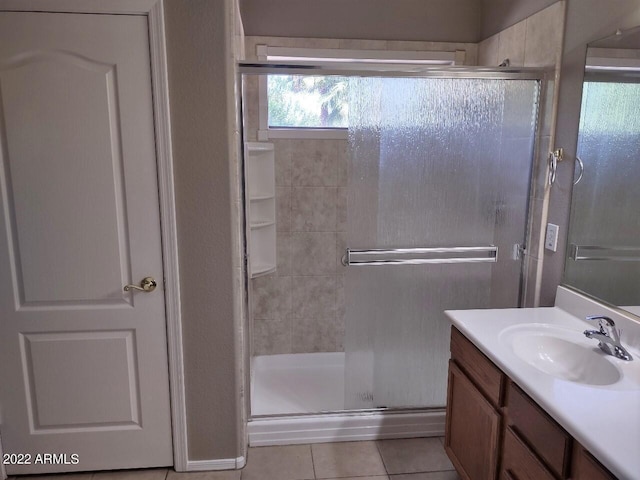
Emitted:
pixel 543 435
pixel 519 463
pixel 585 467
pixel 483 373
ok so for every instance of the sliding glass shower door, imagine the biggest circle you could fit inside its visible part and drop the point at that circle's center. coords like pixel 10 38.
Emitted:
pixel 437 205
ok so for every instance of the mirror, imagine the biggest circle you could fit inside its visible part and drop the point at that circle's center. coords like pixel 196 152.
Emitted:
pixel 603 255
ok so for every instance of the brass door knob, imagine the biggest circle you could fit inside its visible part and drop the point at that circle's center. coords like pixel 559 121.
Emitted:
pixel 148 284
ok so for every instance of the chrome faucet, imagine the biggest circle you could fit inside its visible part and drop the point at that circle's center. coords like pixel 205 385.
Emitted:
pixel 609 337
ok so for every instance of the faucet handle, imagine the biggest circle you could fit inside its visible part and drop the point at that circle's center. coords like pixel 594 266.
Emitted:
pixel 603 321
pixel 602 318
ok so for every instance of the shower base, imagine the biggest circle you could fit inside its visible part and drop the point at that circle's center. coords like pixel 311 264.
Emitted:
pixel 297 383
pixel 294 398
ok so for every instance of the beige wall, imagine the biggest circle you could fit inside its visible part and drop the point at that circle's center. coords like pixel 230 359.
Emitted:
pixel 436 20
pixel 433 20
pixel 587 20
pixel 200 55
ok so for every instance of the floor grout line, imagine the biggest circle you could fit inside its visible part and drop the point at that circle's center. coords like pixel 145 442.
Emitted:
pixel 381 457
pixel 313 463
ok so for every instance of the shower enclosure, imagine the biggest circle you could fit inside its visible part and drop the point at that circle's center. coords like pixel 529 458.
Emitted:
pixel 438 179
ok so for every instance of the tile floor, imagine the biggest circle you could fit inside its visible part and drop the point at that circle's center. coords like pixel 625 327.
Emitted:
pixel 404 459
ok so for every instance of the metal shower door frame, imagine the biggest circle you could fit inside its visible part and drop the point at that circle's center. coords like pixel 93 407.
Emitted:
pixel 386 70
pixel 250 68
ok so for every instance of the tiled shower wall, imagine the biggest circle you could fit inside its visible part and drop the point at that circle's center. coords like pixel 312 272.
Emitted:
pixel 300 308
pixel 534 42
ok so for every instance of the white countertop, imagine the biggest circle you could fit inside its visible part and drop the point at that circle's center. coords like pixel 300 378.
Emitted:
pixel 635 309
pixel 605 419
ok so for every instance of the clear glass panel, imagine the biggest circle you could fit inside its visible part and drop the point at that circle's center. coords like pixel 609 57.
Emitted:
pixel 308 101
pixel 605 202
pixel 434 163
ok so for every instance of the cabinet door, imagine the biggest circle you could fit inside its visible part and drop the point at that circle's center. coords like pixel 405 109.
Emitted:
pixel 472 430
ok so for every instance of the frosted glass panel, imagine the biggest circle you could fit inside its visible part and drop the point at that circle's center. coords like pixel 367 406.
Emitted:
pixel 434 163
pixel 605 202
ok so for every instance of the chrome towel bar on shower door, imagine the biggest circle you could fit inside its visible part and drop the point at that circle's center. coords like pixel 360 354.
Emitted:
pixel 416 256
pixel 595 252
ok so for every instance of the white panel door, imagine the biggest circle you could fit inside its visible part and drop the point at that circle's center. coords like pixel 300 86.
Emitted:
pixel 83 364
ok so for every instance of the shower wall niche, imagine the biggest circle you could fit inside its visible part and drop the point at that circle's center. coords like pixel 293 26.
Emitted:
pixel 260 208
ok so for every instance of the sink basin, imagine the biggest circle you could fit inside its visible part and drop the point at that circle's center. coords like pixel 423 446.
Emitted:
pixel 561 353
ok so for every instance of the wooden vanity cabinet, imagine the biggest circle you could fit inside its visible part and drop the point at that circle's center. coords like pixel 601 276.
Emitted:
pixel 496 431
pixel 474 420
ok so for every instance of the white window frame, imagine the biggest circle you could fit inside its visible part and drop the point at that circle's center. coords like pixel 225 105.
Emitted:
pixel 353 58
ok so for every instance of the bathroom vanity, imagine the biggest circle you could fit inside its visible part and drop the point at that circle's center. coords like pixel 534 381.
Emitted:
pixel 530 397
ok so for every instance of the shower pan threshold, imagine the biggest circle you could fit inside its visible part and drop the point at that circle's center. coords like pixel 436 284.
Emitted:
pixel 299 398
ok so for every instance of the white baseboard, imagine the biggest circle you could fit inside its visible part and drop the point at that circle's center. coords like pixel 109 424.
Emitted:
pixel 218 464
pixel 345 427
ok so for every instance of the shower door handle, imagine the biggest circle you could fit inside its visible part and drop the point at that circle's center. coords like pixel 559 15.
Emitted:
pixel 420 256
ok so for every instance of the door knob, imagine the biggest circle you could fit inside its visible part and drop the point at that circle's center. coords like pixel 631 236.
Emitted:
pixel 148 284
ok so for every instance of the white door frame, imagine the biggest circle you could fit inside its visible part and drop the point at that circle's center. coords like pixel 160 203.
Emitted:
pixel 3 472
pixel 154 11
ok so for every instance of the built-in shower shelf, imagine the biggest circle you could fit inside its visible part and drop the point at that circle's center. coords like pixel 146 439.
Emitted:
pixel 258 198
pixel 262 224
pixel 261 207
pixel 257 270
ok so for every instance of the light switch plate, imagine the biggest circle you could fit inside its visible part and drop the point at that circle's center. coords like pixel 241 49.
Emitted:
pixel 551 238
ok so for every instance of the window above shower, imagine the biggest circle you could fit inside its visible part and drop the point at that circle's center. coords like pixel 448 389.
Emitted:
pixel 307 101
pixel 317 106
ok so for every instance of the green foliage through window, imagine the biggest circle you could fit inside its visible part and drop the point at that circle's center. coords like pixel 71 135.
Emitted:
pixel 308 101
